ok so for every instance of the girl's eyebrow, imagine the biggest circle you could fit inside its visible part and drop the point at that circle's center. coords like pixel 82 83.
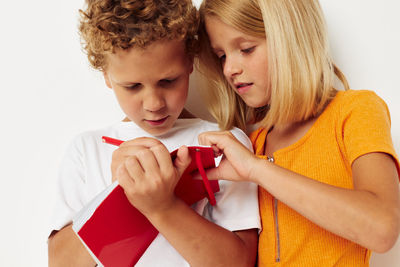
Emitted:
pixel 234 41
pixel 215 49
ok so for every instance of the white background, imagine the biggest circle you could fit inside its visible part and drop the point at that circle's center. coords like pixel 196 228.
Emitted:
pixel 50 94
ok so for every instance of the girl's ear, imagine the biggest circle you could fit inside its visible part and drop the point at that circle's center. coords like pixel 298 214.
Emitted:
pixel 107 79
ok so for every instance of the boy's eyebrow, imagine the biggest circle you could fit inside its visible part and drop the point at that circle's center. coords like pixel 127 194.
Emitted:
pixel 165 77
pixel 122 83
pixel 126 83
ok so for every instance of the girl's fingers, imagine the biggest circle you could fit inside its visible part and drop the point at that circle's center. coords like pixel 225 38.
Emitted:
pixel 206 139
pixel 219 140
pixel 217 152
pixel 212 174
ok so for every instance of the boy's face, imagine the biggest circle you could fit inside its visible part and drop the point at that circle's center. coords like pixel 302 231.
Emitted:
pixel 151 84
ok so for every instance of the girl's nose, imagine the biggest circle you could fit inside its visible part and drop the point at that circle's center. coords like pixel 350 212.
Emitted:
pixel 232 67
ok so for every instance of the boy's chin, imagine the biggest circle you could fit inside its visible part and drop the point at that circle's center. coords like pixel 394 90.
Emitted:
pixel 157 131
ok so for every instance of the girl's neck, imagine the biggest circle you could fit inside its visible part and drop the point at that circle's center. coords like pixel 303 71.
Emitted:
pixel 281 136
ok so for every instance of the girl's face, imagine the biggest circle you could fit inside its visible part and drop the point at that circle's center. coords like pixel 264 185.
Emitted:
pixel 244 60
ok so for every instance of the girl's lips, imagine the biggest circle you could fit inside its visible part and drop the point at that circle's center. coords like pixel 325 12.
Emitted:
pixel 243 87
pixel 157 122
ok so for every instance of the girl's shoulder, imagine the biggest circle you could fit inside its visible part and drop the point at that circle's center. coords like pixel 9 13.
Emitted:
pixel 354 101
pixel 353 98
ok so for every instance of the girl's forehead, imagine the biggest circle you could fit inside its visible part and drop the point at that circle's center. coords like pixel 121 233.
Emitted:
pixel 220 32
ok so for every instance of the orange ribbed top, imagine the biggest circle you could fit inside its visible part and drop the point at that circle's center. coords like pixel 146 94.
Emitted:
pixel 356 122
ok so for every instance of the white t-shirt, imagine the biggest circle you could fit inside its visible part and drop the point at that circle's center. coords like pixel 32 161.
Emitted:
pixel 85 172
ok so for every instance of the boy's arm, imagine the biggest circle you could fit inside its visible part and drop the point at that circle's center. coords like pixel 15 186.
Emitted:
pixel 203 243
pixel 65 249
pixel 148 178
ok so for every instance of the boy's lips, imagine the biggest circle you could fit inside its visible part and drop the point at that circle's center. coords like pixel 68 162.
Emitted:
pixel 157 122
pixel 243 87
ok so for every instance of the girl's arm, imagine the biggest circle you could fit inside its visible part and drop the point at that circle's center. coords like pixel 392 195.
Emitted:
pixel 144 170
pixel 368 215
pixel 65 249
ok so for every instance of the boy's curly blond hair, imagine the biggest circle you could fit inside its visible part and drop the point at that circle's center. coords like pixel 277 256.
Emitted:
pixel 108 25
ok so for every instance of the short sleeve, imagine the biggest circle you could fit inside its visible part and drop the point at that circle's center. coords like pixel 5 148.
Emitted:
pixel 366 127
pixel 237 203
pixel 70 186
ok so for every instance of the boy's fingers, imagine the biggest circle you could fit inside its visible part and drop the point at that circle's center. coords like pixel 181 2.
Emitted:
pixel 148 160
pixel 182 160
pixel 141 141
pixel 123 177
pixel 133 168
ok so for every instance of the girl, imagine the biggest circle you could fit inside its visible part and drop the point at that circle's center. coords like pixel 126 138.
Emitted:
pixel 325 164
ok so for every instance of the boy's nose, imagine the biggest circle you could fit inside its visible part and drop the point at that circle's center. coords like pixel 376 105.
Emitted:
pixel 153 102
pixel 231 68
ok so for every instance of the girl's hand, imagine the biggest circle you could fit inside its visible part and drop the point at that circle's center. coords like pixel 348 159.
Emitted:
pixel 238 160
pixel 147 174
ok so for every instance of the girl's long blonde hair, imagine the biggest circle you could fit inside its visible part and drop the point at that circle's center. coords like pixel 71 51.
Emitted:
pixel 301 70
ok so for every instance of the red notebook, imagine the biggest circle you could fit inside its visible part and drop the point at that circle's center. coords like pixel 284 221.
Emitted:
pixel 117 234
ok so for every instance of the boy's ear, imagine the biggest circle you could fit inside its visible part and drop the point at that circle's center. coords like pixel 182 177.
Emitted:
pixel 107 79
pixel 191 62
pixel 191 69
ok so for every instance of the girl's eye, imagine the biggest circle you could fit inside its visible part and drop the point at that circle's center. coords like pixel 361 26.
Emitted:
pixel 221 57
pixel 248 50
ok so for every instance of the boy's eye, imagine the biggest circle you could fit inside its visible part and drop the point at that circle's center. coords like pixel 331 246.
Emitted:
pixel 166 82
pixel 248 50
pixel 133 86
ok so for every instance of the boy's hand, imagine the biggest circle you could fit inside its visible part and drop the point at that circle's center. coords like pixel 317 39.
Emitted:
pixel 145 171
pixel 126 150
pixel 237 162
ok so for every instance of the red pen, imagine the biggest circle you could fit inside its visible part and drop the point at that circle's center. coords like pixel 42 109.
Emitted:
pixel 111 141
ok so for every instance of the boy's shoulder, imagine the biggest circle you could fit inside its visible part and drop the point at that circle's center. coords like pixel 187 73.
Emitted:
pixel 200 125
pixel 205 126
pixel 195 124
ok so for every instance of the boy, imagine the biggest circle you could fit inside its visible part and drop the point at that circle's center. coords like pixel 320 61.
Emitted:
pixel 145 50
